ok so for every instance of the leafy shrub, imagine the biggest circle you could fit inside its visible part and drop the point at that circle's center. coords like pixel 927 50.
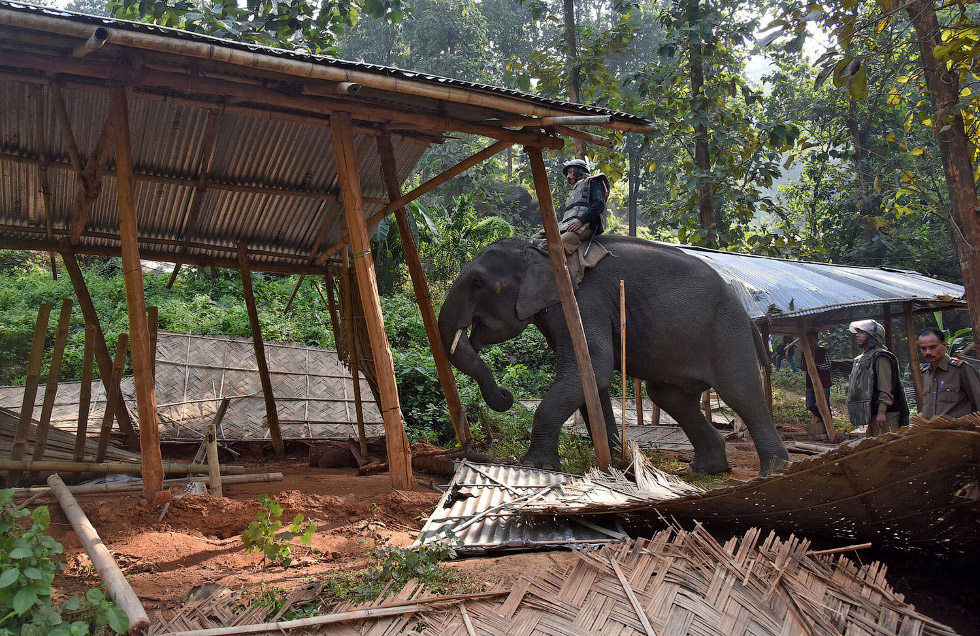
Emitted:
pixel 28 566
pixel 260 536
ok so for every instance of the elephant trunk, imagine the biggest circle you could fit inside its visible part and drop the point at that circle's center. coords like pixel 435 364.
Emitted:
pixel 454 319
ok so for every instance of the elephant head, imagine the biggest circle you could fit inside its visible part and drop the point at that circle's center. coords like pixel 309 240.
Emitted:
pixel 493 299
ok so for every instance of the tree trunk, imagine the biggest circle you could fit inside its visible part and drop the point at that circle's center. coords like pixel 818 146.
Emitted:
pixel 634 183
pixel 868 209
pixel 571 56
pixel 955 150
pixel 702 158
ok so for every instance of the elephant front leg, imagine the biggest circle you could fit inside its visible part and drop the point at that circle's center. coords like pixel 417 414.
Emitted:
pixel 557 406
pixel 612 431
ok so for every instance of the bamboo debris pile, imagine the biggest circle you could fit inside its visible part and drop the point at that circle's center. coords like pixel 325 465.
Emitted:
pixel 60 445
pixel 676 583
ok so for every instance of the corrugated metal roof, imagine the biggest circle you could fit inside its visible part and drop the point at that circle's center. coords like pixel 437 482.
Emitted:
pixel 784 290
pixel 478 508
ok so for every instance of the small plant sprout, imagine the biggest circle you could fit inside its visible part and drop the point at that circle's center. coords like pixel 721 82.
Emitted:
pixel 260 536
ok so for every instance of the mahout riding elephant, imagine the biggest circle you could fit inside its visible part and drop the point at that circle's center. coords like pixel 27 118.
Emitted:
pixel 686 331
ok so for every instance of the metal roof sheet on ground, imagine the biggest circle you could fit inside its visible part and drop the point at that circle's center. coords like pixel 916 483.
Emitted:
pixel 782 289
pixel 480 508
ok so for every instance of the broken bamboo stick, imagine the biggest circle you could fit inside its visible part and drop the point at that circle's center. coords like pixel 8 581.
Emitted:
pixel 30 389
pixel 85 393
pixel 105 468
pixel 112 391
pixel 51 385
pixel 134 486
pixel 112 577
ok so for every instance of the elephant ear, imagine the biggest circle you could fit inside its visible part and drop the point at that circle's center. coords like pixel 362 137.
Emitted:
pixel 538 289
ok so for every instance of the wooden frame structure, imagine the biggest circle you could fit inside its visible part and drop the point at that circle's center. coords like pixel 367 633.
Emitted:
pixel 163 145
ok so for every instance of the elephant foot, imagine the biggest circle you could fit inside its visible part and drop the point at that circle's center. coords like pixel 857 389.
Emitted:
pixel 768 465
pixel 543 463
pixel 710 466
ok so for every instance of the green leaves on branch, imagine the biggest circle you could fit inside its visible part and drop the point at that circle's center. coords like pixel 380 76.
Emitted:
pixel 260 536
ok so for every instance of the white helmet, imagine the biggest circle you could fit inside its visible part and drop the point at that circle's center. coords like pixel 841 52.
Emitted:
pixel 871 327
pixel 574 163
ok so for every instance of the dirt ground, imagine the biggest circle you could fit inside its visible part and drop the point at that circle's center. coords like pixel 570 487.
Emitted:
pixel 199 541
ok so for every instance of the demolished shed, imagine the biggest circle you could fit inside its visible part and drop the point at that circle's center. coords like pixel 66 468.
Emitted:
pixel 129 139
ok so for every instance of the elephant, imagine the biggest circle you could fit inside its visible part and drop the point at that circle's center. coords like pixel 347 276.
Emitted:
pixel 686 332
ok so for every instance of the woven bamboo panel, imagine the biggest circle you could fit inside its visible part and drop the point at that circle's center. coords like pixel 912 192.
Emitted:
pixel 313 390
pixel 677 583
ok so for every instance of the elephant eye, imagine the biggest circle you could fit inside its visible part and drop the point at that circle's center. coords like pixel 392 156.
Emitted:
pixel 478 283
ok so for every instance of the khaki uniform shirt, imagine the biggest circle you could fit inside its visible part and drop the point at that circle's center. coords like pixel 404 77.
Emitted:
pixel 952 388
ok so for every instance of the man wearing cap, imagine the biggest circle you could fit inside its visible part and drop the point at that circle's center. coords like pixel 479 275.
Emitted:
pixel 950 385
pixel 875 397
pixel 583 216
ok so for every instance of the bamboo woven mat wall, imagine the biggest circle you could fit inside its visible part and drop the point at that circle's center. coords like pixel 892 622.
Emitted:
pixel 314 391
pixel 677 583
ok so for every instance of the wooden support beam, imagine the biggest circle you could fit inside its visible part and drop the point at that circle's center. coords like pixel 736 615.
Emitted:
pixel 61 112
pixel 43 181
pixel 706 405
pixel 292 296
pixel 399 453
pixel 581 135
pixel 173 274
pixel 886 319
pixel 111 468
pixel 913 354
pixel 85 393
pixel 19 445
pixel 428 186
pixel 214 470
pixel 766 367
pixel 102 357
pixel 271 412
pixel 569 305
pixel 655 415
pixel 89 182
pixel 146 401
pixel 811 366
pixel 352 348
pixel 112 394
pixel 422 296
pixel 51 386
pixel 152 323
pixel 638 397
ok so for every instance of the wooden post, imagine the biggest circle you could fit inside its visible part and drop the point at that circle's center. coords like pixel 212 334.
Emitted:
pixel 638 396
pixel 569 305
pixel 422 296
pixel 111 385
pixel 152 321
pixel 886 318
pixel 146 401
pixel 272 415
pixel 102 357
pixel 19 444
pixel 51 386
pixel 766 367
pixel 811 366
pixel 352 343
pixel 399 453
pixel 913 354
pixel 622 351
pixel 655 415
pixel 706 405
pixel 85 394
pixel 214 472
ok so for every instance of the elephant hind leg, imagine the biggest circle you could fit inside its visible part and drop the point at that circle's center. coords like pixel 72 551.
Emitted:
pixel 749 402
pixel 684 405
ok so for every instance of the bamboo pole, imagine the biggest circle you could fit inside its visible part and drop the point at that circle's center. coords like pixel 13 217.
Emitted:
pixel 638 397
pixel 19 444
pixel 562 120
pixel 399 453
pixel 422 296
pixel 136 486
pixel 51 386
pixel 581 135
pixel 112 392
pixel 152 320
pixel 102 356
pixel 766 367
pixel 85 393
pixel 112 468
pixel 622 368
pixel 556 253
pixel 811 367
pixel 271 413
pixel 112 577
pixel 214 472
pixel 352 345
pixel 292 296
pixel 89 182
pixel 886 320
pixel 654 415
pixel 913 354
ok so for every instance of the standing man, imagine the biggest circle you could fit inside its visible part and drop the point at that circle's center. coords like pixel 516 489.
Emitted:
pixel 822 361
pixel 583 217
pixel 875 397
pixel 951 386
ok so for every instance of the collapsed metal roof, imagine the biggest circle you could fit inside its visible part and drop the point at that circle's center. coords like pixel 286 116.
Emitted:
pixel 783 290
pixel 231 143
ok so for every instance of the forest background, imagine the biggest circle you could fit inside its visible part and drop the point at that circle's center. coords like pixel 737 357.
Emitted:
pixel 795 129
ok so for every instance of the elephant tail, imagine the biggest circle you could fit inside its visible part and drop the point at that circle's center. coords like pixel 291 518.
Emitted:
pixel 761 350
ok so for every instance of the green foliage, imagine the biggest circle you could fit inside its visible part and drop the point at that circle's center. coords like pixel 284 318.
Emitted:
pixel 956 341
pixel 509 435
pixel 28 565
pixel 260 536
pixel 392 567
